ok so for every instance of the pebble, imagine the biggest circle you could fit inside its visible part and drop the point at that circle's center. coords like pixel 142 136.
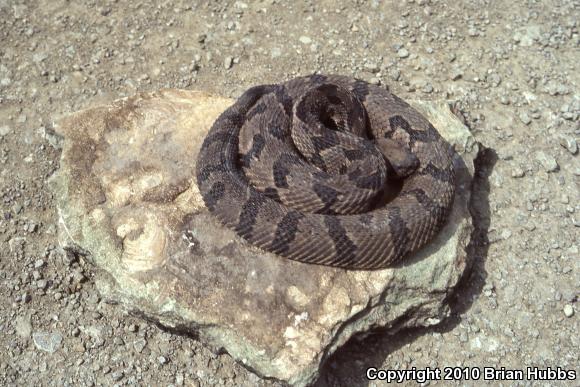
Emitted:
pixel 47 342
pixel 395 74
pixel 570 144
pixel 228 62
pixel 525 118
pixel 548 162
pixel 305 40
pixel 162 359
pixel 518 172
pixel 428 88
pixel 568 310
pixel 38 263
pixel 372 67
pixel 402 52
pixel 4 130
pixel 117 375
pixel 26 297
pixel 139 345
pixel 42 284
pixel 456 74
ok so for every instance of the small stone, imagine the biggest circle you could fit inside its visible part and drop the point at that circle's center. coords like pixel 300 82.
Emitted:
pixel 139 345
pixel 548 162
pixel 395 74
pixel 228 62
pixel 570 144
pixel 506 234
pixel 25 297
pixel 78 277
pixel 372 67
pixel 117 375
pixel 456 74
pixel 38 263
pixel 568 310
pixel 428 88
pixel 525 118
pixel 4 130
pixel 118 341
pixel 402 52
pixel 47 342
pixel 305 40
pixel 162 360
pixel 42 284
pixel 518 172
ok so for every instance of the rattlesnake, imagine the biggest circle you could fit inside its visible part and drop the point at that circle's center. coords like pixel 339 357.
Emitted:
pixel 301 169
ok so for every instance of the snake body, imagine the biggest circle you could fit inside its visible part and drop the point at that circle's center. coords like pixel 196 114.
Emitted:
pixel 301 168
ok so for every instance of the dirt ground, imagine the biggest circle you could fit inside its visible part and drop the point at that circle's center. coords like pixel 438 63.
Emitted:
pixel 510 67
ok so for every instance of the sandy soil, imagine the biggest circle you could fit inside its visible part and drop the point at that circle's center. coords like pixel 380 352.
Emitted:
pixel 510 68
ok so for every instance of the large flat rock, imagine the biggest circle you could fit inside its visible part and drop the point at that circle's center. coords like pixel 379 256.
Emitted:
pixel 128 199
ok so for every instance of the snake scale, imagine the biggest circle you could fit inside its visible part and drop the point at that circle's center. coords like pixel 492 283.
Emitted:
pixel 301 169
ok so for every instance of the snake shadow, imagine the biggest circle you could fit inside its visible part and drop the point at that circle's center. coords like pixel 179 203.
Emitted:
pixel 348 365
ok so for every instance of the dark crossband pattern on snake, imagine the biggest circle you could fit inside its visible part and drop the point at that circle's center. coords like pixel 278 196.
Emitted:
pixel 299 169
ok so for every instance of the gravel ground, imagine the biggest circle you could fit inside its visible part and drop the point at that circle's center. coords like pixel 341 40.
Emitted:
pixel 509 68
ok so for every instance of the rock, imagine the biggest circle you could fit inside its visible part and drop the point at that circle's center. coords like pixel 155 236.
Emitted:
pixel 570 144
pixel 548 162
pixel 127 195
pixel 305 40
pixel 568 310
pixel 456 73
pixel 139 345
pixel 403 53
pixel 525 118
pixel 47 342
pixel 117 375
pixel 372 67
pixel 518 172
pixel 228 62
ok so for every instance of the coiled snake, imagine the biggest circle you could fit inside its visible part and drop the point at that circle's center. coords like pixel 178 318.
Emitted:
pixel 301 169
